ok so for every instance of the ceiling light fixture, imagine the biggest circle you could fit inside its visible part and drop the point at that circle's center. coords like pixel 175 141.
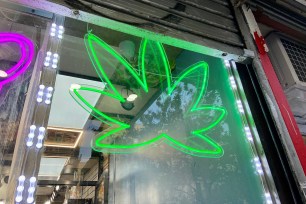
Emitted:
pixel 63 145
pixel 130 98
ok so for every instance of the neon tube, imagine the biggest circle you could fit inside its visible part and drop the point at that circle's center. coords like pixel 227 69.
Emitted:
pixel 215 150
pixel 27 54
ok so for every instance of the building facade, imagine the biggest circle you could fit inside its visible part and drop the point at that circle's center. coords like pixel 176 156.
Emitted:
pixel 126 102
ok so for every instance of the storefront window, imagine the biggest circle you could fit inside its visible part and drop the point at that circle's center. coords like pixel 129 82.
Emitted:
pixel 167 117
pixel 127 116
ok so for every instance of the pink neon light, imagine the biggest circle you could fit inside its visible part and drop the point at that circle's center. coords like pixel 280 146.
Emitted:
pixel 27 54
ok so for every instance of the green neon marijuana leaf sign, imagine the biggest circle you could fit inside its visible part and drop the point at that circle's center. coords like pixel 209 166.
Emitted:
pixel 162 114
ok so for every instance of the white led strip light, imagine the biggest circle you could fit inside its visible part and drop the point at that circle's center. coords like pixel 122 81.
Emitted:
pixel 41 93
pixel 31 190
pixel 258 165
pixel 239 95
pixel 57 31
pixel 49 95
pixel 51 59
pixel 233 83
pixel 31 136
pixel 44 94
pixel 20 188
pixel 240 106
pixel 40 137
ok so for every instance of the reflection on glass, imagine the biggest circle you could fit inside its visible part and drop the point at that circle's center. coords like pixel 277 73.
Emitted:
pixel 152 123
pixel 192 141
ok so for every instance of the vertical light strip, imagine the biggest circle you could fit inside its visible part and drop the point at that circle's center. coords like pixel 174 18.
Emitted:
pixel 31 135
pixel 44 94
pixel 40 137
pixel 251 133
pixel 51 60
pixel 49 95
pixel 57 31
pixel 20 188
pixel 31 190
pixel 40 93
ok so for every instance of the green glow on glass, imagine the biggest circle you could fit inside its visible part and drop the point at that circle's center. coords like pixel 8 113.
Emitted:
pixel 89 40
pixel 201 67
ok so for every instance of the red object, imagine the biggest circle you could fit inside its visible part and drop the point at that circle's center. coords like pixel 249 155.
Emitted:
pixel 260 42
pixel 282 102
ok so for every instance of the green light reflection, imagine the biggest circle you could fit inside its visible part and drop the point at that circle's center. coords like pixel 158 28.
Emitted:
pixel 211 149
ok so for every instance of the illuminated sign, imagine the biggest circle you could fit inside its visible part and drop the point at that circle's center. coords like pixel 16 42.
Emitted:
pixel 183 144
pixel 27 54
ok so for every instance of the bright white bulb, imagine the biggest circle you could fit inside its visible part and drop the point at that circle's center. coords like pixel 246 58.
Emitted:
pixel 41 86
pixel 18 198
pixel 60 32
pixel 227 63
pixel 250 138
pixel 131 97
pixel 31 189
pixel 240 107
pixel 50 88
pixel 48 58
pixel 29 144
pixel 61 27
pixel 38 145
pixel 40 93
pixel 52 34
pixel 40 137
pixel 75 86
pixel 57 188
pixel 30 200
pixel 20 188
pixel 53 29
pixel 32 127
pixel 39 100
pixel 33 179
pixel 49 53
pixel 46 64
pixel 42 129
pixel 47 102
pixel 3 74
pixel 53 25
pixel 55 55
pixel 54 66
pixel 31 135
pixel 55 60
pixel 60 36
pixel 21 178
